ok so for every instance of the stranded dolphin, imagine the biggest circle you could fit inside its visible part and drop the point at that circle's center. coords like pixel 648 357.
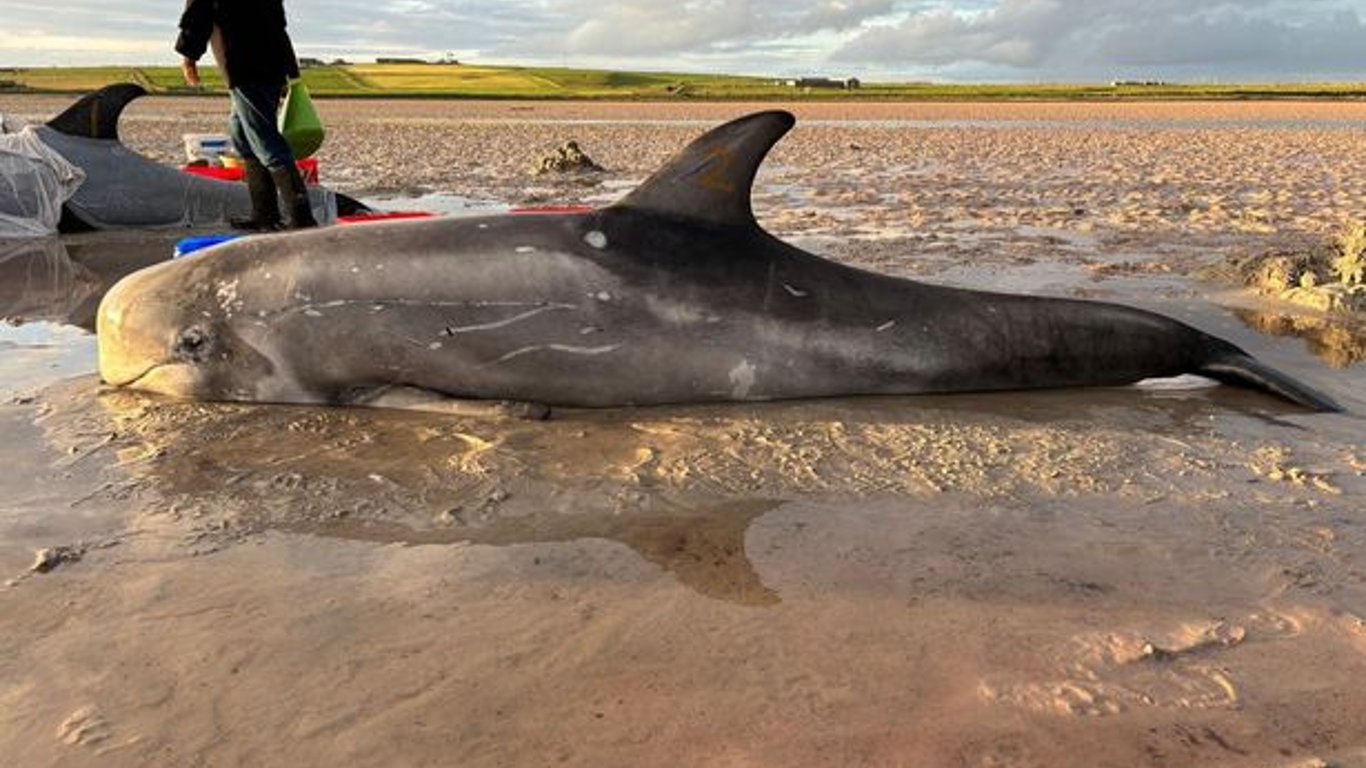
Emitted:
pixel 674 294
pixel 123 189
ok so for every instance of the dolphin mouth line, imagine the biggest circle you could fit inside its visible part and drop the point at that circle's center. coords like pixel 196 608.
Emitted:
pixel 132 380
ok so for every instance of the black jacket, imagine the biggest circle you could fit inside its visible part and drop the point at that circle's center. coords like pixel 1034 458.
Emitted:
pixel 255 45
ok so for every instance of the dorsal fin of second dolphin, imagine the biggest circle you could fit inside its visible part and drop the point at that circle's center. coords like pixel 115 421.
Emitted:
pixel 96 115
pixel 710 179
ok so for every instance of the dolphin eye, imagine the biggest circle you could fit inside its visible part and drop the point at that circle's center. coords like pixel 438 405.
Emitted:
pixel 192 344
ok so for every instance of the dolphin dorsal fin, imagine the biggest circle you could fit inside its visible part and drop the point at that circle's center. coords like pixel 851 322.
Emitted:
pixel 96 115
pixel 711 178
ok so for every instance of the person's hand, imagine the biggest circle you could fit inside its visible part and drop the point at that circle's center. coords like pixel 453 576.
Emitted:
pixel 191 71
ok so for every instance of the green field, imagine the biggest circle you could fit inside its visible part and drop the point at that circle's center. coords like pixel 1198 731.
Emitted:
pixel 493 82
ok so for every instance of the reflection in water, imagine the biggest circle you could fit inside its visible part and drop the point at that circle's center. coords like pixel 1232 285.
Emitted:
pixel 703 548
pixel 1338 341
pixel 61 280
pixel 50 291
pixel 40 282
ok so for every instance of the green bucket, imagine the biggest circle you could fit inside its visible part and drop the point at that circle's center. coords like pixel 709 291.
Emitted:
pixel 299 122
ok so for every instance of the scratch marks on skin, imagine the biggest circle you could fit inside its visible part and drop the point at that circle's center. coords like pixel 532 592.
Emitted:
pixel 408 339
pixel 452 330
pixel 742 379
pixel 516 353
pixel 887 326
pixel 795 292
pixel 316 309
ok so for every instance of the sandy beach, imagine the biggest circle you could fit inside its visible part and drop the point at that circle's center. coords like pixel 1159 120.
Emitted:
pixel 1154 576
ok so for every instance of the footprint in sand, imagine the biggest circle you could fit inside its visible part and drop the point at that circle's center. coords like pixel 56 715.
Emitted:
pixel 84 727
pixel 1112 672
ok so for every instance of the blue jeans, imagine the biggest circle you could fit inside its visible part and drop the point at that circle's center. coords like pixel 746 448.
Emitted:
pixel 252 125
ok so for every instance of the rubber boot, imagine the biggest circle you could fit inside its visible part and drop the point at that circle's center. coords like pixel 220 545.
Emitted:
pixel 298 208
pixel 265 207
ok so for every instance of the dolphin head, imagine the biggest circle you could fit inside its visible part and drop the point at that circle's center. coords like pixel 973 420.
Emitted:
pixel 168 330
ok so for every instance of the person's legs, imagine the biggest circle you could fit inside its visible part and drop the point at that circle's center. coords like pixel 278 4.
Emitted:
pixel 238 134
pixel 256 108
pixel 265 204
pixel 298 206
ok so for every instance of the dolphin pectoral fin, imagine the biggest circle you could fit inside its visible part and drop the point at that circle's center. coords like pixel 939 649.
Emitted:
pixel 350 206
pixel 710 179
pixel 429 401
pixel 71 222
pixel 96 115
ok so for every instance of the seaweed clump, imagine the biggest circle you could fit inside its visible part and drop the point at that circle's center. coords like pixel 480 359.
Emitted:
pixel 568 158
pixel 1330 277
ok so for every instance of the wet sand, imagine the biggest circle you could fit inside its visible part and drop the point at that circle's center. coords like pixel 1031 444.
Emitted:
pixel 1112 577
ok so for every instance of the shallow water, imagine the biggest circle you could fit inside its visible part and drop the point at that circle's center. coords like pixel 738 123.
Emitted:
pixel 49 291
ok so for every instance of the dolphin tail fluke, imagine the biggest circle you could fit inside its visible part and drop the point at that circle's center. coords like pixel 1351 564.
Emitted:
pixel 1241 370
pixel 96 115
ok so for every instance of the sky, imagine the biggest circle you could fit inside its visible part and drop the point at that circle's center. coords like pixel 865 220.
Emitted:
pixel 945 40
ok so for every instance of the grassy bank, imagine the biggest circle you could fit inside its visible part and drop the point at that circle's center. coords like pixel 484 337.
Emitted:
pixel 488 82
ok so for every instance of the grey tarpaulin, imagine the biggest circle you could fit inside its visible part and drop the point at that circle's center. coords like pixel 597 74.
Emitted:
pixel 34 182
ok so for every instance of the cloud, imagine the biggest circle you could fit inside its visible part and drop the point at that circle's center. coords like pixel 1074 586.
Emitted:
pixel 987 39
pixel 38 41
pixel 840 15
pixel 635 28
pixel 1104 37
pixel 644 28
pixel 413 26
pixel 1332 40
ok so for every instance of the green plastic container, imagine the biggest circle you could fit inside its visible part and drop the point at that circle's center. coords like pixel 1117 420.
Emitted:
pixel 299 122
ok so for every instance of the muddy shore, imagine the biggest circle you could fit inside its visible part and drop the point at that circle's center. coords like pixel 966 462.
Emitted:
pixel 1116 577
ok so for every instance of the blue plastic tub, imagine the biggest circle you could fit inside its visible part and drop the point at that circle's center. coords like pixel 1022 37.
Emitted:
pixel 199 242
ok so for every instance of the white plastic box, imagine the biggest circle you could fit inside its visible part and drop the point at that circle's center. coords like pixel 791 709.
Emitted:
pixel 209 147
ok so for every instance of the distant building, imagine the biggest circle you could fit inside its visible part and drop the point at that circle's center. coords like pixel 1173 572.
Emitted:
pixel 306 62
pixel 1138 83
pixel 848 83
pixel 340 63
pixel 400 60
